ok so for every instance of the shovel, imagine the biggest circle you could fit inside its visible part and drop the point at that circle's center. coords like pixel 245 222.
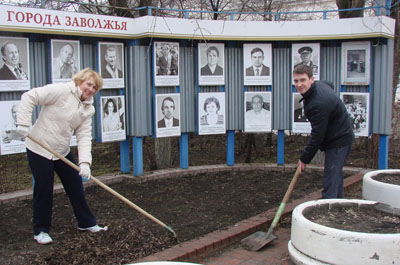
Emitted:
pixel 259 239
pixel 104 186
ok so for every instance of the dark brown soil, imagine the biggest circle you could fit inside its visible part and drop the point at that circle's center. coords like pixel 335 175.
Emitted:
pixel 388 178
pixel 355 218
pixel 193 206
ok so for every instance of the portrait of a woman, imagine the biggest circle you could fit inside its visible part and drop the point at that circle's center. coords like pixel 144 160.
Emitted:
pixel 211 107
pixel 111 119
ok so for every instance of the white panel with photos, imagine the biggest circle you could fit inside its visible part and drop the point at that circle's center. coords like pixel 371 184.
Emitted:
pixel 357 105
pixel 258 111
pixel 113 118
pixel 65 60
pixel 11 141
pixel 211 64
pixel 14 66
pixel 212 113
pixel 307 54
pixel 257 60
pixel 300 123
pixel 168 115
pixel 356 63
pixel 166 63
pixel 111 64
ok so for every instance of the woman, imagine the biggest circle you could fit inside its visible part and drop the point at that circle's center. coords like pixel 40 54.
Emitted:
pixel 111 120
pixel 211 107
pixel 66 107
pixel 212 67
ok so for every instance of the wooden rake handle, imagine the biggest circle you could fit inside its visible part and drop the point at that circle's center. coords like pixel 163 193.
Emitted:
pixel 104 186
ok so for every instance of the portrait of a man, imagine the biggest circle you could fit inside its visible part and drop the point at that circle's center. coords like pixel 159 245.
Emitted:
pixel 257 111
pixel 12 68
pixel 257 61
pixel 307 54
pixel 167 59
pixel 168 109
pixel 111 68
pixel 11 141
pixel 258 68
pixel 65 59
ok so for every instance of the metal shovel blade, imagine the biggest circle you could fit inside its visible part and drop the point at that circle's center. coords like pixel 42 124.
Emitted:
pixel 257 240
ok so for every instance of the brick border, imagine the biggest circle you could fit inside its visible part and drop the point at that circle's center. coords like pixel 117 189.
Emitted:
pixel 210 244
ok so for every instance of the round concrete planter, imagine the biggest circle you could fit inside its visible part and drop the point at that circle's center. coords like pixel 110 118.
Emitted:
pixel 386 193
pixel 312 243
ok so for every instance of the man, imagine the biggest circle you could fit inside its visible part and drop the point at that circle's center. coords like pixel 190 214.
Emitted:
pixel 164 60
pixel 110 69
pixel 305 57
pixel 331 130
pixel 212 67
pixel 9 132
pixel 257 68
pixel 168 108
pixel 12 68
pixel 64 65
pixel 257 115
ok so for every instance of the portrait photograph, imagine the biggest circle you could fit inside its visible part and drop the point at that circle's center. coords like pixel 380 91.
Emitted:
pixel 212 113
pixel 11 141
pixel 258 112
pixel 300 124
pixel 111 64
pixel 211 63
pixel 65 58
pixel 355 63
pixel 168 115
pixel 112 118
pixel 166 63
pixel 307 54
pixel 257 60
pixel 357 105
pixel 14 66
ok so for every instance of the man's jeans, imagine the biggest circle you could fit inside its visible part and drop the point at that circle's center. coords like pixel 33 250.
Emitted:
pixel 333 172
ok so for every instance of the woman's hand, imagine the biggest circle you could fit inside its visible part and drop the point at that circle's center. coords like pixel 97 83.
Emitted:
pixel 85 172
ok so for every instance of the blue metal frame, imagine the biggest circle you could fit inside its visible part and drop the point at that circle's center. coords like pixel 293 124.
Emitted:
pixel 281 147
pixel 137 148
pixel 383 151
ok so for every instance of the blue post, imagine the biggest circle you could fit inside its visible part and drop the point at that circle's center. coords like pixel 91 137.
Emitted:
pixel 124 156
pixel 184 150
pixel 388 5
pixel 383 151
pixel 281 147
pixel 230 148
pixel 137 150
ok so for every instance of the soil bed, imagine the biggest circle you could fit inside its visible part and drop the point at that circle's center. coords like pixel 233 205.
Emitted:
pixel 365 219
pixel 192 205
pixel 388 178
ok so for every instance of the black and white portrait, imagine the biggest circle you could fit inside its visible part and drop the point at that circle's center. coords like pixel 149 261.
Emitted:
pixel 166 63
pixel 168 115
pixel 11 141
pixel 212 113
pixel 257 60
pixel 300 123
pixel 258 111
pixel 211 64
pixel 111 64
pixel 307 54
pixel 112 118
pixel 14 64
pixel 357 105
pixel 355 66
pixel 65 59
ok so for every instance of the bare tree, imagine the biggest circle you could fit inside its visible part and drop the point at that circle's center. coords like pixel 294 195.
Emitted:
pixel 348 4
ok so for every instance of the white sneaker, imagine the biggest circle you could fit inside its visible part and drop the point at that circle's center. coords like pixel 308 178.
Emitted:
pixel 94 229
pixel 43 238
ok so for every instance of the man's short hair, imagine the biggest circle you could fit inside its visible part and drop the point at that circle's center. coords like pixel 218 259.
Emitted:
pixel 67 44
pixel 303 69
pixel 257 50
pixel 111 48
pixel 257 96
pixel 212 48
pixel 167 99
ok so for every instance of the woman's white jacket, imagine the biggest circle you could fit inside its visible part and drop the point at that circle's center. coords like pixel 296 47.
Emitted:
pixel 61 114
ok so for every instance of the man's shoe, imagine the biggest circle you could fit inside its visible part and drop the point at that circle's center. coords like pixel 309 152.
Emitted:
pixel 43 238
pixel 94 229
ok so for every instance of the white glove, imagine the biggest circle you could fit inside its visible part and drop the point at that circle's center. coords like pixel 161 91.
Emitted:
pixel 23 131
pixel 85 172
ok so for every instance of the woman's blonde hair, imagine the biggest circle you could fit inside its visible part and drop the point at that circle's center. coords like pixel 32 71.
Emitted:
pixel 87 73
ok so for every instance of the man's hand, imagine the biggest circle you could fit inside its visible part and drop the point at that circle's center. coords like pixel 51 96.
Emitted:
pixel 85 172
pixel 302 166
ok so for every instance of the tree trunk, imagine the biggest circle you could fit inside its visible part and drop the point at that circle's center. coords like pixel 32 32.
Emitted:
pixel 346 4
pixel 162 148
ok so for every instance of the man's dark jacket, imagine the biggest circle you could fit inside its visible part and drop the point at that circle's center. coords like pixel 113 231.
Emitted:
pixel 330 122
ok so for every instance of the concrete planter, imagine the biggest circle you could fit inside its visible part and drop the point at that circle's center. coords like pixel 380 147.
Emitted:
pixel 312 243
